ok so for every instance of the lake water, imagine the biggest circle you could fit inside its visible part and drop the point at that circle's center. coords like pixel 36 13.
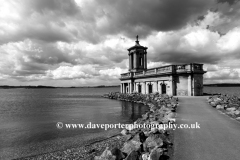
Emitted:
pixel 28 118
pixel 223 90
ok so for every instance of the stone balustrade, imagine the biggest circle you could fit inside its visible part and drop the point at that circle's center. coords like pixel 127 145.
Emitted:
pixel 170 69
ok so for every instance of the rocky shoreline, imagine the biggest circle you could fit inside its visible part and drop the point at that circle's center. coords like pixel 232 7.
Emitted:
pixel 145 143
pixel 229 105
pixel 132 143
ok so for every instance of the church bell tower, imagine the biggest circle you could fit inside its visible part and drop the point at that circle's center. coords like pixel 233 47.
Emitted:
pixel 137 57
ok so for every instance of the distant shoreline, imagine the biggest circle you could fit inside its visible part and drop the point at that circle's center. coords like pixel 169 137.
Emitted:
pixel 222 85
pixel 52 87
pixel 103 86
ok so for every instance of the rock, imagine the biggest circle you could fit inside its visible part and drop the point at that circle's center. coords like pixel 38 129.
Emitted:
pixel 238 118
pixel 237 113
pixel 154 130
pixel 124 132
pixel 130 127
pixel 164 157
pixel 146 133
pixel 218 100
pixel 142 137
pixel 145 156
pixel 117 153
pixel 154 124
pixel 145 116
pixel 231 109
pixel 152 142
pixel 156 153
pixel 133 156
pixel 213 104
pixel 169 105
pixel 128 137
pixel 106 155
pixel 220 106
pixel 209 100
pixel 130 146
pixel 170 115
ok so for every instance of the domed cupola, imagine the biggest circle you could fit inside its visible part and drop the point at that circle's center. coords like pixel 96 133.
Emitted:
pixel 137 57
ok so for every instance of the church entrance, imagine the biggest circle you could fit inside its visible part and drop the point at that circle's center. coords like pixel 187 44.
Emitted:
pixel 139 88
pixel 150 88
pixel 164 90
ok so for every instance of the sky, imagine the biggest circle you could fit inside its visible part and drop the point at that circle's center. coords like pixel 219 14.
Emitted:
pixel 85 42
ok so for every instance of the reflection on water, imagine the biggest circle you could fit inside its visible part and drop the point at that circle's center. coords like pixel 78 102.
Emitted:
pixel 28 118
pixel 133 110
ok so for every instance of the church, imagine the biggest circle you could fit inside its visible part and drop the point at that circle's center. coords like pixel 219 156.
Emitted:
pixel 176 80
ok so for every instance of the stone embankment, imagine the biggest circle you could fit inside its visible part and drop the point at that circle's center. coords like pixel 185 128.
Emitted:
pixel 229 105
pixel 145 143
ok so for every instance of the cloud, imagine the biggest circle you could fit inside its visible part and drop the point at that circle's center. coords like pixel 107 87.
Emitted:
pixel 71 72
pixel 60 7
pixel 45 21
pixel 223 75
pixel 193 44
pixel 113 73
pixel 85 41
pixel 231 2
pixel 134 17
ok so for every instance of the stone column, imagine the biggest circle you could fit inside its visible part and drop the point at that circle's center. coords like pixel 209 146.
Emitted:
pixel 145 59
pixel 144 87
pixel 193 86
pixel 155 87
pixel 160 87
pixel 121 88
pixel 130 62
pixel 134 87
pixel 130 86
pixel 170 89
pixel 189 85
pixel 134 60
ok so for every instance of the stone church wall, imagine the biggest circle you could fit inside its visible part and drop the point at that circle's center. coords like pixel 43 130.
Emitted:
pixel 182 85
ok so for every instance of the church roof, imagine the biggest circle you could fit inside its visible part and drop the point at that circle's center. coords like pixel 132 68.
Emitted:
pixel 137 45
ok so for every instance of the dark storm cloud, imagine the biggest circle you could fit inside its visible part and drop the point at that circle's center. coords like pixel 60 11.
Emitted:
pixel 50 55
pixel 47 33
pixel 231 2
pixel 143 16
pixel 49 20
pixel 67 7
pixel 44 20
